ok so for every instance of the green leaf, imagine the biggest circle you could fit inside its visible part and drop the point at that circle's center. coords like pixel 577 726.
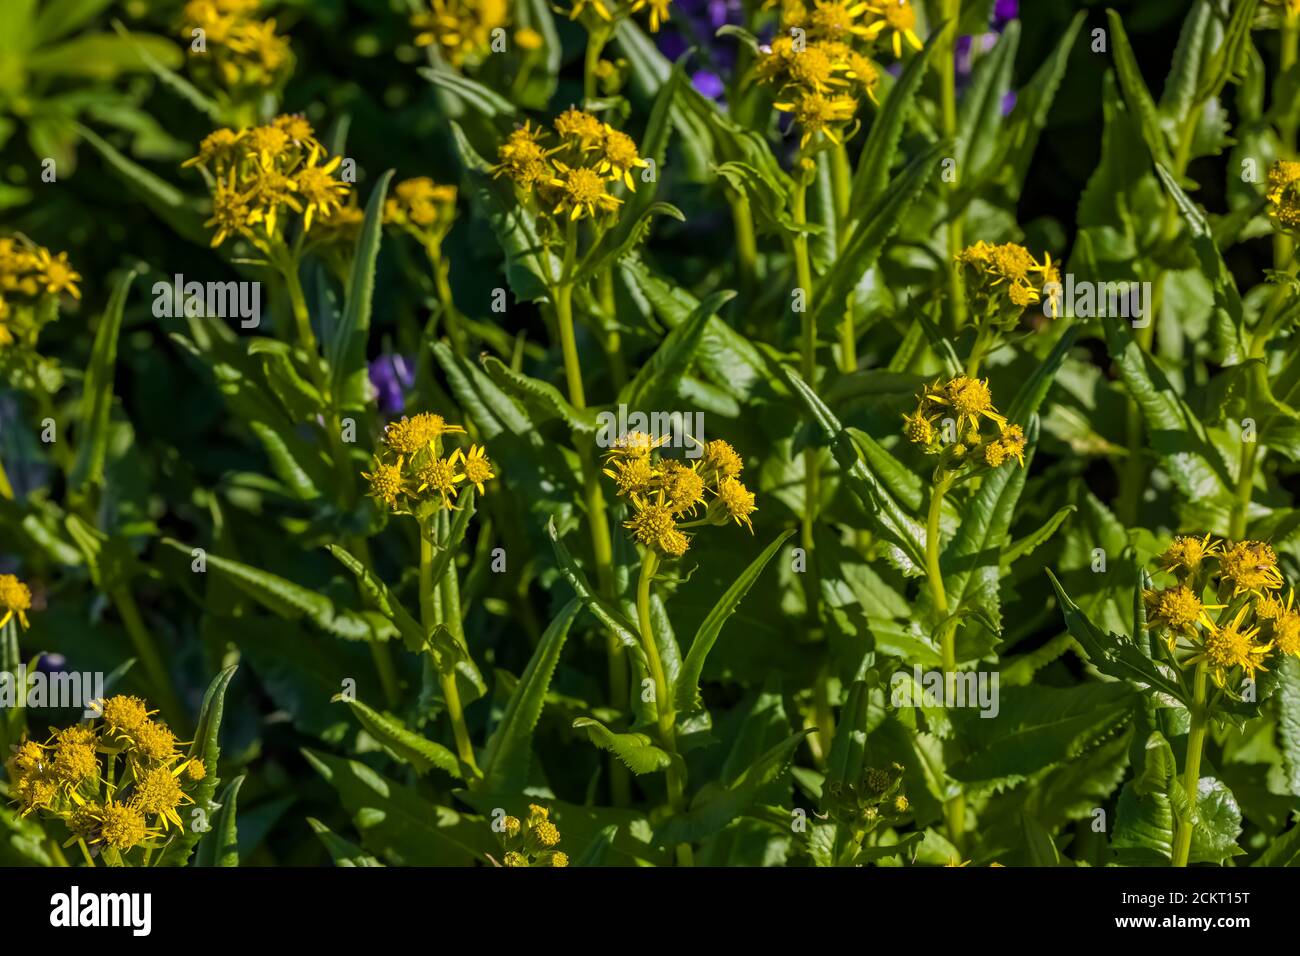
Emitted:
pixel 606 613
pixel 378 594
pixel 97 394
pixel 658 379
pixel 1179 93
pixel 1136 93
pixel 399 824
pixel 342 852
pixel 1144 817
pixel 845 763
pixel 166 201
pixel 980 119
pixel 882 218
pixel 510 749
pixel 1218 823
pixel 58 18
pixel 220 845
pixel 1176 434
pixel 103 56
pixel 688 681
pixel 598 850
pixel 636 751
pixel 540 395
pixel 295 602
pixel 408 746
pixel 714 805
pixel 1288 722
pixel 871 177
pixel 349 377
pixel 206 749
pixel 898 528
pixel 1022 547
pixel 470 93
pixel 1113 654
pixel 1035 727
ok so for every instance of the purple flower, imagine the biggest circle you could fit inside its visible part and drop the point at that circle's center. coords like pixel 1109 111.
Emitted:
pixel 392 376
pixel 695 25
pixel 1005 11
pixel 1009 102
pixel 709 84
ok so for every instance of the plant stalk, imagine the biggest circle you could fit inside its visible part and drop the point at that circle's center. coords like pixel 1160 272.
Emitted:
pixel 1192 772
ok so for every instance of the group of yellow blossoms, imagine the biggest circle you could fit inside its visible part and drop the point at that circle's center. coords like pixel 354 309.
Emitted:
pixel 1245 584
pixel 118 780
pixel 411 469
pixel 819 65
pixel 1284 195
pixel 261 174
pixel 532 842
pixel 569 175
pixel 240 49
pixel 666 493
pixel 28 273
pixel 954 417
pixel 422 208
pixel 463 30
pixel 1003 280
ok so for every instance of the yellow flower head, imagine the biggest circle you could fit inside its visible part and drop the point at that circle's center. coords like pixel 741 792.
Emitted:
pixel 721 461
pixel 387 483
pixel 1176 611
pixel 1009 444
pixel 618 155
pixel 1005 279
pixel 158 793
pixel 1250 566
pixel 15 600
pixel 559 858
pixel 897 20
pixel 1187 553
pixel 154 741
pixel 635 445
pixel 632 476
pixel 653 525
pixel 581 128
pixel 581 191
pixel 475 466
pixel 440 475
pixel 523 158
pixel 546 833
pixel 410 435
pixel 124 716
pixel 734 502
pixel 682 486
pixel 970 398
pixel 122 826
pixel 1286 633
pixel 196 769
pixel 1232 646
pixel 1284 195
pixel 1270 608
pixel 74 759
pixel 816 112
pixel 422 206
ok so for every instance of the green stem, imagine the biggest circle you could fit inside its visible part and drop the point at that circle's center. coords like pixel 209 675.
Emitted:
pixel 1192 771
pixel 379 651
pixel 954 807
pixel 597 514
pixel 147 651
pixel 1245 486
pixel 442 284
pixel 431 615
pixel 746 243
pixel 85 852
pixel 591 62
pixel 808 347
pixel 663 699
pixel 841 187
pixel 6 489
pixel 951 12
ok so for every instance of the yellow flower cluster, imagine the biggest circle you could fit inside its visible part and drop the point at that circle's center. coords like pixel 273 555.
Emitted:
pixel 532 842
pixel 118 780
pixel 15 600
pixel 29 272
pixel 569 175
pixel 410 467
pixel 665 491
pixel 241 50
pixel 1284 195
pixel 463 30
pixel 603 12
pixel 422 208
pixel 952 418
pixel 1006 279
pixel 1261 623
pixel 820 63
pixel 259 175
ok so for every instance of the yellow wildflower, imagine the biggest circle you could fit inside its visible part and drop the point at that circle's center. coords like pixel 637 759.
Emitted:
pixel 475 466
pixel 1250 566
pixel 653 525
pixel 440 475
pixel 1284 194
pixel 15 600
pixel 386 481
pixel 1187 553
pixel 898 18
pixel 582 190
pixel 1232 646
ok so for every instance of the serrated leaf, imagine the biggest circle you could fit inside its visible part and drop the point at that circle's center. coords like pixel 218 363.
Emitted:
pixel 220 845
pixel 342 852
pixel 346 349
pixel 409 747
pixel 636 751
